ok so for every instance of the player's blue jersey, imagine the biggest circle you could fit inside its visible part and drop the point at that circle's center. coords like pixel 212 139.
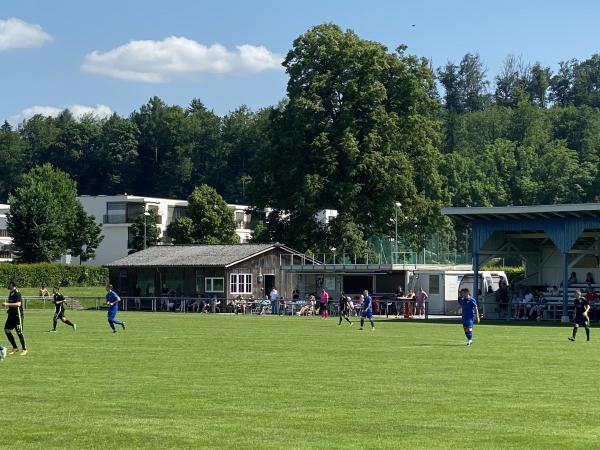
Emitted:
pixel 368 304
pixel 468 307
pixel 111 296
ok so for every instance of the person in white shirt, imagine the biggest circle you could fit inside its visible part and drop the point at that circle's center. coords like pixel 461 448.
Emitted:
pixel 274 297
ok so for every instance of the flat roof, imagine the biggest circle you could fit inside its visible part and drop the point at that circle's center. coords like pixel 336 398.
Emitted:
pixel 469 214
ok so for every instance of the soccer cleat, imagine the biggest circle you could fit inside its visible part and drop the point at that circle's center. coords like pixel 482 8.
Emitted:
pixel 3 354
pixel 372 328
pixel 571 338
pixel 114 331
pixel 123 325
pixel 470 342
pixel 23 352
pixel 351 323
pixel 14 351
pixel 360 329
pixel 51 331
pixel 74 327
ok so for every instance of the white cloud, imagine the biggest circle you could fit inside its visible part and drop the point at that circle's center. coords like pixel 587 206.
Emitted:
pixel 14 33
pixel 156 61
pixel 78 111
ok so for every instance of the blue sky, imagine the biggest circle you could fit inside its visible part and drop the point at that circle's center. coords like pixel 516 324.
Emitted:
pixel 54 66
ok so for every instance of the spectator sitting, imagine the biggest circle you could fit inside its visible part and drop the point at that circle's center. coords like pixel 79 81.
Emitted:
pixel 309 307
pixel 526 304
pixel 239 304
pixel 589 278
pixel 196 305
pixel 264 305
pixel 206 305
pixel 296 295
pixel 572 278
pixel 554 292
pixel 537 310
pixel 516 302
pixel 592 298
pixel 43 292
pixel 282 306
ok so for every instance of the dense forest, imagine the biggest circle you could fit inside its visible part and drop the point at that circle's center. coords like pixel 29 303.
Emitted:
pixel 361 129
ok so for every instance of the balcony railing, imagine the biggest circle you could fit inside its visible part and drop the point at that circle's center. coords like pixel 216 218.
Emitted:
pixel 122 218
pixel 4 233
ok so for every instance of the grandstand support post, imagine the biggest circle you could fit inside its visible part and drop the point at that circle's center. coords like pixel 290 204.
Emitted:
pixel 565 284
pixel 476 276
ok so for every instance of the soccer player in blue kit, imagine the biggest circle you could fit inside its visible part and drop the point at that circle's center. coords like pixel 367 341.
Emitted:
pixel 367 310
pixel 470 313
pixel 112 300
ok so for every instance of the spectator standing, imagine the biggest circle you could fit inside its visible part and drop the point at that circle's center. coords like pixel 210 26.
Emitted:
pixel 399 299
pixel 409 303
pixel 324 304
pixel 274 298
pixel 421 299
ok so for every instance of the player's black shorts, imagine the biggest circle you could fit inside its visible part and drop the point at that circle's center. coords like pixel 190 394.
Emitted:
pixel 581 321
pixel 14 322
pixel 59 314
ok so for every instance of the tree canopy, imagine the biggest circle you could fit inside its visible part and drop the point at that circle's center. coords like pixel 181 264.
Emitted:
pixel 46 220
pixel 361 128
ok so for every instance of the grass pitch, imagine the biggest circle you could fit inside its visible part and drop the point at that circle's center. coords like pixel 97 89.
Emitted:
pixel 215 381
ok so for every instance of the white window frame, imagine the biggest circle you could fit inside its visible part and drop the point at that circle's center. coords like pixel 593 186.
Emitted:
pixel 209 289
pixel 240 283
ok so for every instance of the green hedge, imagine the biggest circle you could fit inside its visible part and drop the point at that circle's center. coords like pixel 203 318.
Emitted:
pixel 514 274
pixel 48 274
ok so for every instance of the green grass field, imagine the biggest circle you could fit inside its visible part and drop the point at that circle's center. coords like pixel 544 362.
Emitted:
pixel 209 381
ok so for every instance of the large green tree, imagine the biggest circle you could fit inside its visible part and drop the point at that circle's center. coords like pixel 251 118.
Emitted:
pixel 14 159
pixel 144 232
pixel 85 236
pixel 208 221
pixel 357 135
pixel 43 216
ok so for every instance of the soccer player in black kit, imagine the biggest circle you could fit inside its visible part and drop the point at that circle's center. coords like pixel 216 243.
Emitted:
pixel 344 308
pixel 14 321
pixel 580 316
pixel 59 312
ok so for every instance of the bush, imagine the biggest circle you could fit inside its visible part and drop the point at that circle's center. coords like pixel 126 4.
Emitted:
pixel 48 274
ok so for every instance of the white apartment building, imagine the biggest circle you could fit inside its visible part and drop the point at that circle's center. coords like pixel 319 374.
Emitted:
pixel 116 213
pixel 5 239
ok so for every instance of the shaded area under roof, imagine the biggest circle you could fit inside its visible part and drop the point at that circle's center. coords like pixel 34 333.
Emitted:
pixel 469 214
pixel 194 255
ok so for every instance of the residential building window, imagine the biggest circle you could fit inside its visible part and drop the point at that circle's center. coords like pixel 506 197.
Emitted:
pixel 240 283
pixel 434 284
pixel 214 284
